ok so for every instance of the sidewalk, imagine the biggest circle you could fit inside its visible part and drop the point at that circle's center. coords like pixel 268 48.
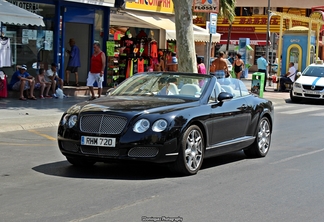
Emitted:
pixel 270 92
pixel 31 114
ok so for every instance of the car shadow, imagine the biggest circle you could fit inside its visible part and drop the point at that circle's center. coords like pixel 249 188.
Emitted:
pixel 115 170
pixel 223 159
pixel 128 170
pixel 308 101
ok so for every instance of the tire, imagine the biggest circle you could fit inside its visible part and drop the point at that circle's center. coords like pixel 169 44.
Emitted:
pixel 191 153
pixel 294 99
pixel 261 144
pixel 80 162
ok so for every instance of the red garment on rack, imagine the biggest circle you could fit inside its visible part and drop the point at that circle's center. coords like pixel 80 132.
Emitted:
pixel 140 65
pixel 154 49
pixel 3 87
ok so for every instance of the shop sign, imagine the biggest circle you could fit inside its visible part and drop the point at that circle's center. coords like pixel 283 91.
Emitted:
pixel 108 3
pixel 252 42
pixel 223 29
pixel 29 6
pixel 294 40
pixel 252 20
pixel 208 6
pixel 162 6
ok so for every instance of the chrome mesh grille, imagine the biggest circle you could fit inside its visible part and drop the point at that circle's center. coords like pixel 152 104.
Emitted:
pixel 143 152
pixel 103 151
pixel 103 124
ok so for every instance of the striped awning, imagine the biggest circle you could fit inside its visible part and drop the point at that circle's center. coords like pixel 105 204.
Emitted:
pixel 14 15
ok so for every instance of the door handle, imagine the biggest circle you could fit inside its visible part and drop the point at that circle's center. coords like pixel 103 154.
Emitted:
pixel 243 107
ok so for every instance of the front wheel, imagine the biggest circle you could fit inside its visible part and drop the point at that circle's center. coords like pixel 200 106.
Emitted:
pixel 81 162
pixel 191 153
pixel 261 144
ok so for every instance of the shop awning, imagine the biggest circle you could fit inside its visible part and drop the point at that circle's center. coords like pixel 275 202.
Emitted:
pixel 14 15
pixel 255 38
pixel 156 21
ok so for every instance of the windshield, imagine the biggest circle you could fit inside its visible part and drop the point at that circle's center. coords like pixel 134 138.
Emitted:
pixel 317 71
pixel 164 84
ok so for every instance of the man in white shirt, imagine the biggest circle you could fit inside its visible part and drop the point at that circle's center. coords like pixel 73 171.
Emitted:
pixel 52 76
pixel 289 77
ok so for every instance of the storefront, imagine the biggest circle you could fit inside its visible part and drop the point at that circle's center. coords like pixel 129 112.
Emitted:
pixel 151 26
pixel 37 47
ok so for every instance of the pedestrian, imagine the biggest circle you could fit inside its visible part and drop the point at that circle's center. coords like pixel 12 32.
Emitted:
pixel 21 80
pixel 219 67
pixel 201 66
pixel 231 58
pixel 238 65
pixel 262 67
pixel 74 63
pixel 97 69
pixel 52 77
pixel 289 77
pixel 173 64
pixel 41 83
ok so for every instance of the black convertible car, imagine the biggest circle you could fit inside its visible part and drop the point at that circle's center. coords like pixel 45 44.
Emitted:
pixel 166 117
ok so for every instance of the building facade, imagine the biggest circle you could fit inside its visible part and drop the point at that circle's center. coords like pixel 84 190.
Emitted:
pixel 38 47
pixel 251 22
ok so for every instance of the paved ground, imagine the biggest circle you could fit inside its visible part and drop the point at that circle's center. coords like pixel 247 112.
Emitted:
pixel 24 115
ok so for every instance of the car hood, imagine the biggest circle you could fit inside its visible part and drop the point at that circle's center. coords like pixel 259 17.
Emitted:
pixel 310 80
pixel 132 104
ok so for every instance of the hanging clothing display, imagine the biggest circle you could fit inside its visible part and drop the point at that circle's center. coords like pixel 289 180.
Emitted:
pixel 140 65
pixel 3 85
pixel 5 52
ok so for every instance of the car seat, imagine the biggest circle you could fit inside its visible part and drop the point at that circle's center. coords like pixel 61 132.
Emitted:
pixel 189 89
pixel 173 89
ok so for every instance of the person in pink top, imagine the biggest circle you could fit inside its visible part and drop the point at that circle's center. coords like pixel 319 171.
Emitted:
pixel 201 66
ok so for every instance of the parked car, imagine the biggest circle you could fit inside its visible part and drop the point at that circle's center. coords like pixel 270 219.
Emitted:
pixel 310 84
pixel 167 117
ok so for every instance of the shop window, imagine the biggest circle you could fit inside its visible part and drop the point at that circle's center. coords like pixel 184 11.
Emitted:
pixel 32 45
pixel 98 27
pixel 312 55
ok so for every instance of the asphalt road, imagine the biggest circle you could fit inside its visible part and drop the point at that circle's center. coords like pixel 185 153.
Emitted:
pixel 38 184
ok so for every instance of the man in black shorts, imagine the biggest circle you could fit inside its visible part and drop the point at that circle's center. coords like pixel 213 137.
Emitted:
pixel 74 62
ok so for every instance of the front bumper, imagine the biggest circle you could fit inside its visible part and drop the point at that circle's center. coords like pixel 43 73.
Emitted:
pixel 307 94
pixel 141 150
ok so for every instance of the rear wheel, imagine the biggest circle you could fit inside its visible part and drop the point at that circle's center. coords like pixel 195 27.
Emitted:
pixel 81 162
pixel 294 99
pixel 191 152
pixel 261 145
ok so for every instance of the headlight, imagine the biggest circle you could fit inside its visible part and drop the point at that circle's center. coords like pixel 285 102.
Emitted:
pixel 72 121
pixel 141 126
pixel 159 125
pixel 297 85
pixel 64 119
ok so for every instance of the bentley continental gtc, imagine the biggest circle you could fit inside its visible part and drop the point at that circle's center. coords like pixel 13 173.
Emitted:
pixel 172 118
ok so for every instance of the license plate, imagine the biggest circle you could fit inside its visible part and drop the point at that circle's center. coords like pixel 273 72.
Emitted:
pixel 98 141
pixel 312 92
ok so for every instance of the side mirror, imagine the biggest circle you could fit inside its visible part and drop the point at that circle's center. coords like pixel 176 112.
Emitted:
pixel 224 96
pixel 299 74
pixel 109 91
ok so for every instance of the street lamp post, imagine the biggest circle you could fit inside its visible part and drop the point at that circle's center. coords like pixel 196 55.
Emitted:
pixel 267 37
